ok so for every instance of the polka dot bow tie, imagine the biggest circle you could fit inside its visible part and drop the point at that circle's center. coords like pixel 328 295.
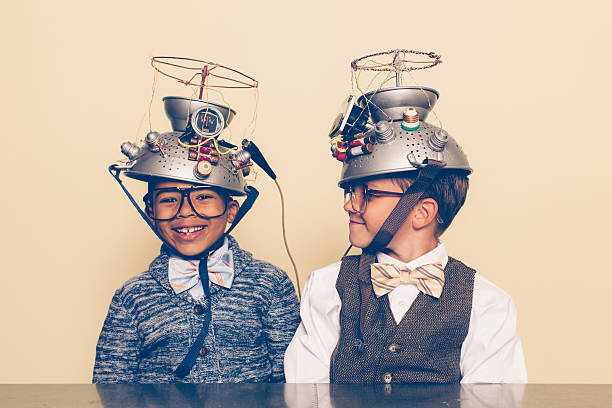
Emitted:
pixel 429 278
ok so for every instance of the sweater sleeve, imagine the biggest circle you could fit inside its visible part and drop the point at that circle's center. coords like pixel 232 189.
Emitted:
pixel 280 321
pixel 118 347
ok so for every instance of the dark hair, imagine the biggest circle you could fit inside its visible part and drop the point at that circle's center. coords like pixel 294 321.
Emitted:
pixel 449 189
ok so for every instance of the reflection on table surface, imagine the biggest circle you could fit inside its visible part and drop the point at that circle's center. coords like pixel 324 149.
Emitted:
pixel 306 395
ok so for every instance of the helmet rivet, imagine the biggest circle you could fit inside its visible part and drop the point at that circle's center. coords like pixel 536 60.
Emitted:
pixel 384 132
pixel 242 156
pixel 153 140
pixel 130 150
pixel 437 141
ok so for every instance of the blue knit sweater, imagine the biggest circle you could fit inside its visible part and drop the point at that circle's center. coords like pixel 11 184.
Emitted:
pixel 149 328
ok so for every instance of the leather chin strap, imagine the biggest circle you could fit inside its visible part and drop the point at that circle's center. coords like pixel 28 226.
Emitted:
pixel 190 358
pixel 392 224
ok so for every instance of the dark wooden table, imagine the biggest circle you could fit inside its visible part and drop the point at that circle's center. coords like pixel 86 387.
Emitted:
pixel 306 395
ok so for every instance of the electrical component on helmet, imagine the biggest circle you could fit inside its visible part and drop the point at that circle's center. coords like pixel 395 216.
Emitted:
pixel 258 158
pixel 351 120
pixel 131 150
pixel 245 167
pixel 359 150
pixel 196 141
pixel 193 155
pixel 384 132
pixel 242 157
pixel 211 159
pixel 207 121
pixel 438 140
pixel 153 141
pixel 208 150
pixel 371 139
pixel 339 148
pixel 411 119
pixel 354 143
pixel 202 169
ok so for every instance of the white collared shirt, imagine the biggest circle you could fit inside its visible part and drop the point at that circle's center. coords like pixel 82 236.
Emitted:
pixel 491 352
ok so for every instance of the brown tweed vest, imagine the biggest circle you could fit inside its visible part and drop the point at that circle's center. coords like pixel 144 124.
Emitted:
pixel 425 347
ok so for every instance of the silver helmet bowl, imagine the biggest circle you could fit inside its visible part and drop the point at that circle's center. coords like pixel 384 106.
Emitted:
pixel 390 104
pixel 172 161
pixel 178 110
pixel 402 150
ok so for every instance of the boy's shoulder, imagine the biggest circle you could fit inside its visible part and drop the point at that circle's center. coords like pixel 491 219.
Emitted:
pixel 487 294
pixel 251 267
pixel 141 284
pixel 323 280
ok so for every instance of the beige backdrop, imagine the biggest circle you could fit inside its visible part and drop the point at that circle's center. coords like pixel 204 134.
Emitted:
pixel 524 87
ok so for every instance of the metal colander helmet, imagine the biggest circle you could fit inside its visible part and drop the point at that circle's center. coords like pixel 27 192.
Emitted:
pixel 399 141
pixel 184 155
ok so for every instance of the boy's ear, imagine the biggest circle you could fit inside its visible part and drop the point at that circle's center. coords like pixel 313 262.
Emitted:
pixel 232 209
pixel 424 213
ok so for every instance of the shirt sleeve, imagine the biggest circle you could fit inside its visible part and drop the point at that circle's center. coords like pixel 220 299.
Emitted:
pixel 118 347
pixel 308 356
pixel 279 324
pixel 492 351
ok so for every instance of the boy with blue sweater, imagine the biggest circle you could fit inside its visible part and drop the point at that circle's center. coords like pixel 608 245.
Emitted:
pixel 205 310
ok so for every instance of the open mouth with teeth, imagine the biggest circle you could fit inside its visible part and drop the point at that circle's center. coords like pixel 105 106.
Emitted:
pixel 188 231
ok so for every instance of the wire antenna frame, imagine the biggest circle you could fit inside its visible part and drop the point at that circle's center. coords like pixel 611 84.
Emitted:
pixel 392 62
pixel 201 73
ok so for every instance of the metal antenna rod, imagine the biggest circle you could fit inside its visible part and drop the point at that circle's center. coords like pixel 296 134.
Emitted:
pixel 397 65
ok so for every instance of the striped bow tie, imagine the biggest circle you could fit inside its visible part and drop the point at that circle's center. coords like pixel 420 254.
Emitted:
pixel 429 279
pixel 184 275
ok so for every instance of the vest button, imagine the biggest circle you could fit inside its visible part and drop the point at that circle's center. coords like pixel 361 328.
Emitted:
pixel 203 351
pixel 393 348
pixel 198 309
pixel 387 377
pixel 358 344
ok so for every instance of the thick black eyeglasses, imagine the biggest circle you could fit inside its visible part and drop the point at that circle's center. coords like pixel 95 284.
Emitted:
pixel 164 204
pixel 360 195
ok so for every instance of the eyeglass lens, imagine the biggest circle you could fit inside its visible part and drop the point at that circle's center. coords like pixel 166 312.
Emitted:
pixel 356 195
pixel 205 203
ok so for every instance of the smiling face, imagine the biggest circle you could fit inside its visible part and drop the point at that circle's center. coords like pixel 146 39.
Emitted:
pixel 363 226
pixel 189 233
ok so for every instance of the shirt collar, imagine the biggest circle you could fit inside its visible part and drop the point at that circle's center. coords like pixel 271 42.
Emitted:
pixel 438 254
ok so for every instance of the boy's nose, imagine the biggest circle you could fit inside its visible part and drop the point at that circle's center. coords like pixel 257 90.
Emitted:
pixel 348 207
pixel 185 210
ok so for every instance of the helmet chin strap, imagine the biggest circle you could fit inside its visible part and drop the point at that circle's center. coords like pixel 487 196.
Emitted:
pixel 392 224
pixel 252 195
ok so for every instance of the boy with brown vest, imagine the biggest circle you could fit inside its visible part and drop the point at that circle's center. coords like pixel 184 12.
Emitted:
pixel 403 310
